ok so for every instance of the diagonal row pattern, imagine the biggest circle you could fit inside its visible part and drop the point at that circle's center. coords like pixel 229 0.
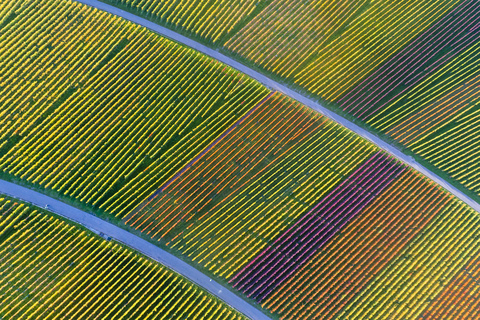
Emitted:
pixel 356 254
pixel 312 231
pixel 432 49
pixel 252 185
pixel 53 269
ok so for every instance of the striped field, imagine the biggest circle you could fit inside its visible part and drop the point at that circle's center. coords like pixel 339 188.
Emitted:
pixel 239 196
pixel 118 115
pixel 406 69
pixel 278 202
pixel 52 269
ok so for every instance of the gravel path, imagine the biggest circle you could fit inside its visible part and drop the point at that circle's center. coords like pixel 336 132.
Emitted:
pixel 98 225
pixel 279 87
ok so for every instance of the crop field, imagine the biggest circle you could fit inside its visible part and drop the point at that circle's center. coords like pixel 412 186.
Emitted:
pixel 314 229
pixel 52 269
pixel 241 194
pixel 272 199
pixel 381 30
pixel 461 298
pixel 407 69
pixel 287 34
pixel 210 20
pixel 310 228
pixel 430 102
pixel 106 120
pixel 383 244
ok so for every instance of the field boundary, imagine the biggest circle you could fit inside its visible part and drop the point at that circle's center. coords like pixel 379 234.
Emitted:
pixel 275 86
pixel 134 242
pixel 210 146
pixel 200 155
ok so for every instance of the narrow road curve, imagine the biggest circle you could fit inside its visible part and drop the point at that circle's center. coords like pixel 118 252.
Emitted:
pixel 98 225
pixel 279 87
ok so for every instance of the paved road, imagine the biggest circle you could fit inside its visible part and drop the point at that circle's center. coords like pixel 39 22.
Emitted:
pixel 279 87
pixel 154 252
pixel 98 225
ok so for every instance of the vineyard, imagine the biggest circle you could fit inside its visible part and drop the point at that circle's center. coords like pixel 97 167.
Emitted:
pixel 294 247
pixel 52 269
pixel 272 199
pixel 128 112
pixel 463 291
pixel 287 34
pixel 403 241
pixel 209 20
pixel 431 103
pixel 407 69
pixel 237 198
pixel 313 222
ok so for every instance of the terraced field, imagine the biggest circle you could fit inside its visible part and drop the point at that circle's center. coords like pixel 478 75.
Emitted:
pixel 406 69
pixel 53 269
